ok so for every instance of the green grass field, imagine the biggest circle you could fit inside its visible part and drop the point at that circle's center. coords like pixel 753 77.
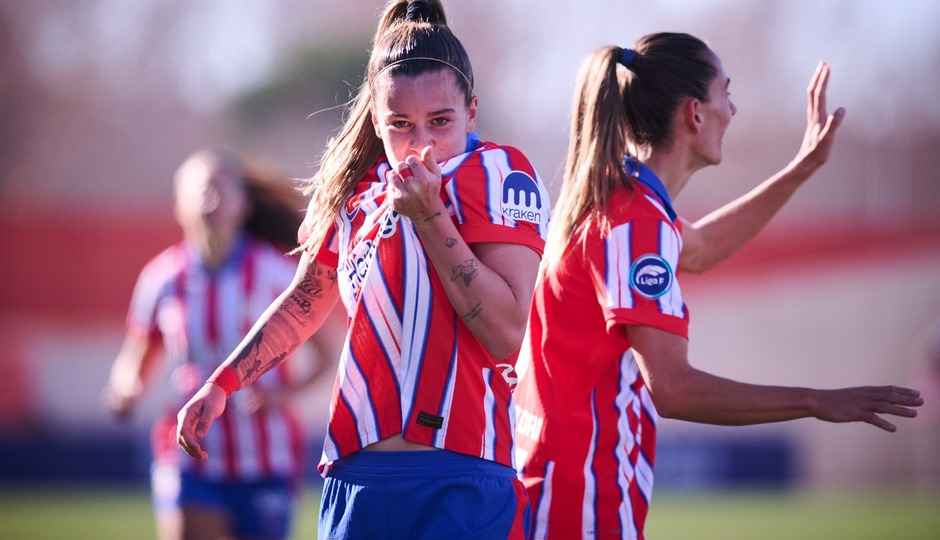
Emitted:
pixel 124 514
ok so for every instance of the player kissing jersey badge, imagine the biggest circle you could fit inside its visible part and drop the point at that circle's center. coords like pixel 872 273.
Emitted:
pixel 651 276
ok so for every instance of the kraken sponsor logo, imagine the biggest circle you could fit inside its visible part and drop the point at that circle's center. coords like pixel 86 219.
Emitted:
pixel 522 200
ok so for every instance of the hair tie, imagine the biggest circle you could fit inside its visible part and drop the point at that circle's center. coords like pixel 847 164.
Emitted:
pixel 626 57
pixel 419 11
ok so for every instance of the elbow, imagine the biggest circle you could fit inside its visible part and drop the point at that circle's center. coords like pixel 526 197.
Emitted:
pixel 670 401
pixel 503 338
pixel 696 265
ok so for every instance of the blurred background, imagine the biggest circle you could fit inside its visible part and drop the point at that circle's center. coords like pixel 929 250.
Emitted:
pixel 100 100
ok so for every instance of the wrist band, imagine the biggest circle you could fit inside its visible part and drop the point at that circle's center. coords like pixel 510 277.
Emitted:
pixel 226 378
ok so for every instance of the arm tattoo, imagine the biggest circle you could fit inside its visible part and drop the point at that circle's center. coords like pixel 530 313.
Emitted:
pixel 432 216
pixel 473 313
pixel 311 286
pixel 251 356
pixel 467 271
pixel 450 242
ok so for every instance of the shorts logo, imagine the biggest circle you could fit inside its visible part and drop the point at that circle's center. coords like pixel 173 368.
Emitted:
pixel 522 199
pixel 651 276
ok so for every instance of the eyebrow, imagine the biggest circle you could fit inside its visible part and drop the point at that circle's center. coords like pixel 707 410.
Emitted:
pixel 448 110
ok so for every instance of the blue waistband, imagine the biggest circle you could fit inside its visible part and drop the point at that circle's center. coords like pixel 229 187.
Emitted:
pixel 369 464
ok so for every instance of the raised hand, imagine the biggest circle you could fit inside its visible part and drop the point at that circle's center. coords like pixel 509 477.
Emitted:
pixel 415 187
pixel 820 126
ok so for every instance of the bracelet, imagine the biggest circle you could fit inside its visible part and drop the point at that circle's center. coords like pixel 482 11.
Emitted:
pixel 226 378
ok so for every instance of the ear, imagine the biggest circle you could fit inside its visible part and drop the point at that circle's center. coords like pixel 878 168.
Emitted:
pixel 375 120
pixel 472 114
pixel 692 114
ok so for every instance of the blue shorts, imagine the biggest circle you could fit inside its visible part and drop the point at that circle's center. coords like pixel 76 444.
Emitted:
pixel 423 494
pixel 255 509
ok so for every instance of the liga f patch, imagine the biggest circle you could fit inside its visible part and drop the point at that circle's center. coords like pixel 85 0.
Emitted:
pixel 651 276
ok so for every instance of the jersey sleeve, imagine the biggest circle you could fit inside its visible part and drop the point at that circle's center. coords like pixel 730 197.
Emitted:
pixel 634 273
pixel 496 195
pixel 328 253
pixel 142 313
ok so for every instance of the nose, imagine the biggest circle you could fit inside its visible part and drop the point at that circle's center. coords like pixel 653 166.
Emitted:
pixel 421 137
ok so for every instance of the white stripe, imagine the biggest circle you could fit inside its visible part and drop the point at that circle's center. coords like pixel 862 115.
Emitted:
pixel 540 524
pixel 626 442
pixel 488 449
pixel 670 244
pixel 279 450
pixel 353 387
pixel 447 404
pixel 590 487
pixel 496 164
pixel 619 257
pixel 417 292
pixel 644 471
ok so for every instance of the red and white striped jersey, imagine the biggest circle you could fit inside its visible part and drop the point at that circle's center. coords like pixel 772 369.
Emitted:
pixel 201 317
pixel 586 426
pixel 409 364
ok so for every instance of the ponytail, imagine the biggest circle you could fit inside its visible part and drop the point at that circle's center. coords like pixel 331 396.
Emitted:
pixel 407 30
pixel 594 164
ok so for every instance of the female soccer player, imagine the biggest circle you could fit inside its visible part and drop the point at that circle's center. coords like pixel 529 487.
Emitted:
pixel 608 330
pixel 432 240
pixel 192 304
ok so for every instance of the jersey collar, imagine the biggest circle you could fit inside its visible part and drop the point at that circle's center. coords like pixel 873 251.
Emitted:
pixel 648 178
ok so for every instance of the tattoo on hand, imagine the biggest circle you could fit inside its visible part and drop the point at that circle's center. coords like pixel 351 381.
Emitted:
pixel 450 242
pixel 467 271
pixel 473 313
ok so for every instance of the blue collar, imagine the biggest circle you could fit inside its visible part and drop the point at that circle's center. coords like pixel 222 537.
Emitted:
pixel 648 178
pixel 473 141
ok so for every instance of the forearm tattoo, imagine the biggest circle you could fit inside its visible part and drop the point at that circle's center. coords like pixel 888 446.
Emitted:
pixel 300 302
pixel 473 313
pixel 280 336
pixel 432 216
pixel 248 364
pixel 467 271
pixel 450 242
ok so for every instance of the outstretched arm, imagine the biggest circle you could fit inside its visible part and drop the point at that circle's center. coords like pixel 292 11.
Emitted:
pixel 287 323
pixel 682 392
pixel 718 235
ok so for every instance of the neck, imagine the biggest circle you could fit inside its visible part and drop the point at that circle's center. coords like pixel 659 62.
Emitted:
pixel 672 165
pixel 214 250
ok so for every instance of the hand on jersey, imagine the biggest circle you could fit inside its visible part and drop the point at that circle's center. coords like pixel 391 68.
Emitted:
pixel 414 187
pixel 820 126
pixel 195 418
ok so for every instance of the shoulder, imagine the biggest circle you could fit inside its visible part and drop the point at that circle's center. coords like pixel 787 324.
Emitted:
pixel 490 157
pixel 636 203
pixel 167 264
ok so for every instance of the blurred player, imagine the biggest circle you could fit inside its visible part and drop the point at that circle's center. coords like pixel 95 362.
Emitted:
pixel 193 303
